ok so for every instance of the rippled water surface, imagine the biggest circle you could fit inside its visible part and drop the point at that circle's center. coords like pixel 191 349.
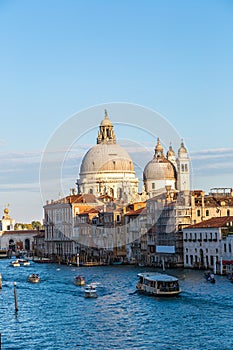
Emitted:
pixel 55 315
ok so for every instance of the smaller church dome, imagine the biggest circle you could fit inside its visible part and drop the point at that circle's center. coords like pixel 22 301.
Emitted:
pixel 159 169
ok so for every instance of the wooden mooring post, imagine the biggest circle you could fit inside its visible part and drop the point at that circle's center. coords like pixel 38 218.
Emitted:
pixel 16 299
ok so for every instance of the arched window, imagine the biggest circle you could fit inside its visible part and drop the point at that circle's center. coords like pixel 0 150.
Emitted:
pixel 27 244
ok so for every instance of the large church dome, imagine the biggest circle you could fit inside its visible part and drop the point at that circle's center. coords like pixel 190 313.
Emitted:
pixel 107 167
pixel 105 158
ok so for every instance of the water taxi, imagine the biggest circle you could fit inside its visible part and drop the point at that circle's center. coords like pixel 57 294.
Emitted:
pixel 90 291
pixel 79 280
pixel 158 284
pixel 34 278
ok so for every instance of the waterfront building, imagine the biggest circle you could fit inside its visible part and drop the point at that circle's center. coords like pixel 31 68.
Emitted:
pixel 58 223
pixel 208 243
pixel 39 244
pixel 135 220
pixel 15 241
pixel 167 215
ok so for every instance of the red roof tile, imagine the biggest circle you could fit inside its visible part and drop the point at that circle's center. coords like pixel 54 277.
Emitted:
pixel 213 222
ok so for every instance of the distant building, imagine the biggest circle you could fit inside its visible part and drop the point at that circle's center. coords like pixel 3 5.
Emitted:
pixel 15 241
pixel 217 203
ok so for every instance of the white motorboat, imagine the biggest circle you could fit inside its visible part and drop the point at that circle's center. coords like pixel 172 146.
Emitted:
pixel 90 291
pixel 158 284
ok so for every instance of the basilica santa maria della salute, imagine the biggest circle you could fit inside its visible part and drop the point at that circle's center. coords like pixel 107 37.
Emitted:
pixel 107 220
pixel 107 169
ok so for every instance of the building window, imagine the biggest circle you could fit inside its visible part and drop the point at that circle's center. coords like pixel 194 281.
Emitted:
pixel 187 259
pixel 228 212
pixel 211 260
pixel 198 212
pixel 216 251
pixel 207 213
pixel 186 167
pixel 229 247
pixel 191 259
pixel 153 185
pixel 182 167
pixel 225 248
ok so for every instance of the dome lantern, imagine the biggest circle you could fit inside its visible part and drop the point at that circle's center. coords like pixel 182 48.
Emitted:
pixel 106 133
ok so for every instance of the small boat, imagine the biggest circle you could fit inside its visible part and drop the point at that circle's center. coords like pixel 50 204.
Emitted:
pixel 209 276
pixel 15 263
pixel 90 291
pixel 42 260
pixel 24 262
pixel 34 278
pixel 79 280
pixel 158 284
pixel 92 263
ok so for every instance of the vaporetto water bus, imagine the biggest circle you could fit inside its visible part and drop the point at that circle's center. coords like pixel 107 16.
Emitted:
pixel 158 284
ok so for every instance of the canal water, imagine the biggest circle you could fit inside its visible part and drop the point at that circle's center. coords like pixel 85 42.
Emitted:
pixel 55 315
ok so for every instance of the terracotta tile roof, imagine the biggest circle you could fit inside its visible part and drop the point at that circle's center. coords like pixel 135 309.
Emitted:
pixel 213 222
pixel 76 198
pixel 21 232
pixel 136 212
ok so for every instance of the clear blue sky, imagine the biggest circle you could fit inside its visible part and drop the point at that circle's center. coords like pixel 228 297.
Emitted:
pixel 59 57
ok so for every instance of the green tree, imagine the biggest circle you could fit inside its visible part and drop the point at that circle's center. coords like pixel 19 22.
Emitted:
pixel 36 225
